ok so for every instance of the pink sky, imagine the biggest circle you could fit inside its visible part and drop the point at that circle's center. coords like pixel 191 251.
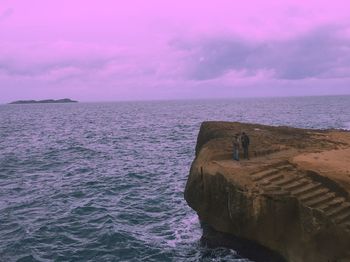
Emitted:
pixel 156 49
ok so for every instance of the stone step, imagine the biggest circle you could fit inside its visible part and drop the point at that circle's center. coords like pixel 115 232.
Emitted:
pixel 289 179
pixel 333 206
pixel 266 182
pixel 272 189
pixel 276 178
pixel 285 167
pixel 347 226
pixel 335 212
pixel 345 217
pixel 325 201
pixel 267 170
pixel 314 194
pixel 264 174
pixel 307 189
pixel 299 184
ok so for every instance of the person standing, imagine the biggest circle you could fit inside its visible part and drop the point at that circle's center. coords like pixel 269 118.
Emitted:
pixel 245 144
pixel 236 146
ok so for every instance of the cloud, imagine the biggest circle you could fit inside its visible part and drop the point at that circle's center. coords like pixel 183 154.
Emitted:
pixel 320 53
pixel 96 66
pixel 40 58
pixel 217 64
pixel 6 13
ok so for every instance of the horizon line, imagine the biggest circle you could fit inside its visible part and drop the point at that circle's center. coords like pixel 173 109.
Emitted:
pixel 180 99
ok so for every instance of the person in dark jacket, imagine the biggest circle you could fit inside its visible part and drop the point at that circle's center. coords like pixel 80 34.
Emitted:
pixel 245 145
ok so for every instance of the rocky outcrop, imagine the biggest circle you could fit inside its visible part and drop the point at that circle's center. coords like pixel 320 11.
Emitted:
pixel 292 196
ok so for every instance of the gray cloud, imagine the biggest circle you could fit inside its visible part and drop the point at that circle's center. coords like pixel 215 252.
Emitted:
pixel 29 69
pixel 321 53
pixel 38 59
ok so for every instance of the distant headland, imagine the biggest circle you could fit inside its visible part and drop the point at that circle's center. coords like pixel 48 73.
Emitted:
pixel 46 101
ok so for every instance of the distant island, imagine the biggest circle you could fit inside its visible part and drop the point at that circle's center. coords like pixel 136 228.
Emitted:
pixel 46 101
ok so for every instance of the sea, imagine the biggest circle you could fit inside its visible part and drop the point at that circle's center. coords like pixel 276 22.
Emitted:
pixel 105 181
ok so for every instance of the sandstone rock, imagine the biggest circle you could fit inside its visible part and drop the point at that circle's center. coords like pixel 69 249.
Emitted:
pixel 292 196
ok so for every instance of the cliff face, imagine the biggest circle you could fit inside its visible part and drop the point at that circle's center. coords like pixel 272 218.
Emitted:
pixel 292 196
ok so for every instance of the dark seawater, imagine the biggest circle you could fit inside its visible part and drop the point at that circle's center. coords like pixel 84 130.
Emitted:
pixel 105 181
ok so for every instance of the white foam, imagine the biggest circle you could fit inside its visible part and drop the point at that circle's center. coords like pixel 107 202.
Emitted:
pixel 347 126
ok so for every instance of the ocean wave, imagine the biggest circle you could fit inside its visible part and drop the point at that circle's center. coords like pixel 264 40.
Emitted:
pixel 347 126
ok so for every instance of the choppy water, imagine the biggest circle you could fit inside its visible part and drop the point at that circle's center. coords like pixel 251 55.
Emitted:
pixel 105 181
